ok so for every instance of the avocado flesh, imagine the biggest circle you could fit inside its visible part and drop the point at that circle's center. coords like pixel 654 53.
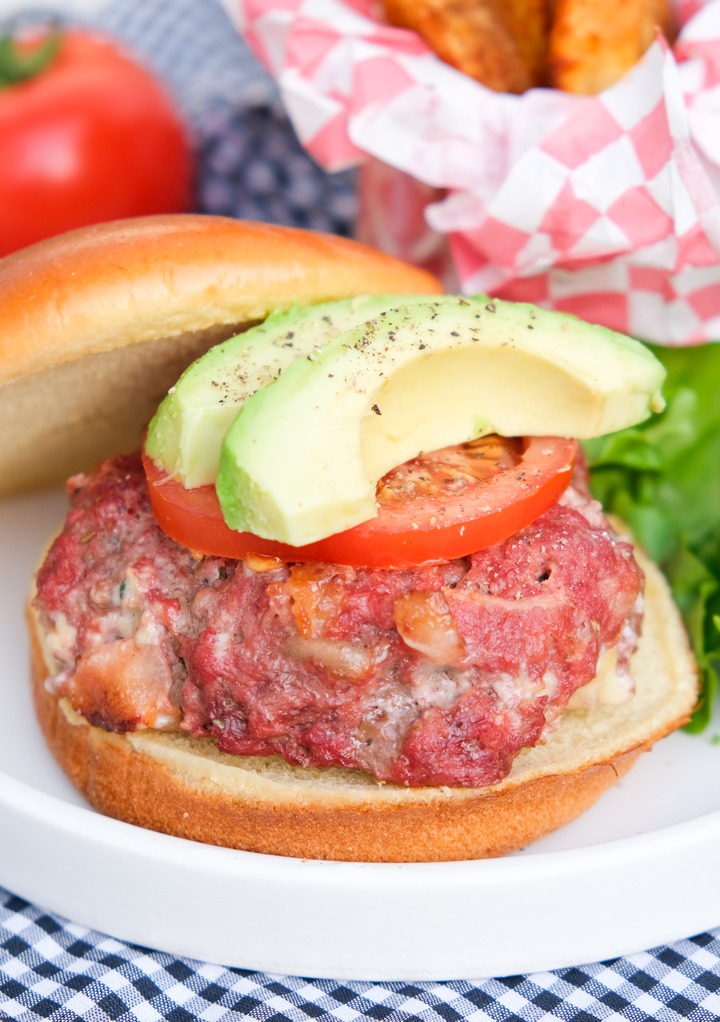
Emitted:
pixel 189 426
pixel 303 457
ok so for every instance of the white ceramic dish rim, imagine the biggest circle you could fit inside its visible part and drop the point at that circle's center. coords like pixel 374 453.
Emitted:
pixel 637 875
pixel 652 880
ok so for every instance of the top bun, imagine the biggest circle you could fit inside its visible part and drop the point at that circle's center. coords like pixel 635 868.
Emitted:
pixel 96 324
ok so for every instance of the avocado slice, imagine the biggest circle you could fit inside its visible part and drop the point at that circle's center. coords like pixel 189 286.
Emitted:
pixel 302 459
pixel 185 434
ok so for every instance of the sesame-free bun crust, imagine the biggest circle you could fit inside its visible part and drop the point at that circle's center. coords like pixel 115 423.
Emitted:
pixel 95 325
pixel 185 787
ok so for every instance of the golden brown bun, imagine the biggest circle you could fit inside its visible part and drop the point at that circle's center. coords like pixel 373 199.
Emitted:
pixel 183 786
pixel 95 325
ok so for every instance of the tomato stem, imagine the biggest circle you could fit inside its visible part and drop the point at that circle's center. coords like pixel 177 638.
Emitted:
pixel 18 65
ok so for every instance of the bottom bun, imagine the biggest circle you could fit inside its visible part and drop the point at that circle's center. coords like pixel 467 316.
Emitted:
pixel 185 787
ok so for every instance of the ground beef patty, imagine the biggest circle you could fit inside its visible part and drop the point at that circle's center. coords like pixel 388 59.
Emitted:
pixel 435 675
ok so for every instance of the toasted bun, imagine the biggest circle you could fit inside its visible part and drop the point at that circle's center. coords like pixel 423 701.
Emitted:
pixel 184 786
pixel 95 325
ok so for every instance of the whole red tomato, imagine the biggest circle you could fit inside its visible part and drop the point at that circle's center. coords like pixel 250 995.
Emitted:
pixel 90 137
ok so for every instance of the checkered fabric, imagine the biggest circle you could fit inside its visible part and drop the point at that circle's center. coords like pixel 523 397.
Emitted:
pixel 53 969
pixel 606 205
pixel 250 163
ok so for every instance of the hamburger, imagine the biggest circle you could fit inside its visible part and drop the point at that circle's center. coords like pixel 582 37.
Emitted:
pixel 266 661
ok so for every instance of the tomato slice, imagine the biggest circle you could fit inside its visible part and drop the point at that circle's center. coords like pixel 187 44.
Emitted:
pixel 440 505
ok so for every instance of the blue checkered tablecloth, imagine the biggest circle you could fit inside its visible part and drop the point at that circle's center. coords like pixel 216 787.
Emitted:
pixel 249 161
pixel 53 969
pixel 250 165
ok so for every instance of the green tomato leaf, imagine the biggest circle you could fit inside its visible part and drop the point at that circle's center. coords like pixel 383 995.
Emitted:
pixel 18 65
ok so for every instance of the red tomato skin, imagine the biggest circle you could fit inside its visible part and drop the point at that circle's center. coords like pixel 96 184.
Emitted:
pixel 193 518
pixel 94 137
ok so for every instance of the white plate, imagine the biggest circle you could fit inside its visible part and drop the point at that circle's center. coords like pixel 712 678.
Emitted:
pixel 639 869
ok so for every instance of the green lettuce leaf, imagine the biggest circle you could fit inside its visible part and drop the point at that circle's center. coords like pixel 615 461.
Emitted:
pixel 663 478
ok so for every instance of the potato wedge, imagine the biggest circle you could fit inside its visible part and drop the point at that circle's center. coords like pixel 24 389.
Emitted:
pixel 501 43
pixel 594 42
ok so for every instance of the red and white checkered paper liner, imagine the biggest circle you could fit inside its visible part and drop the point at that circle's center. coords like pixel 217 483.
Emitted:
pixel 605 206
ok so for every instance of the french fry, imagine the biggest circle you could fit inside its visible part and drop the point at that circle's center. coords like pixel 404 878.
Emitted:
pixel 501 43
pixel 594 42
pixel 529 24
pixel 580 46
